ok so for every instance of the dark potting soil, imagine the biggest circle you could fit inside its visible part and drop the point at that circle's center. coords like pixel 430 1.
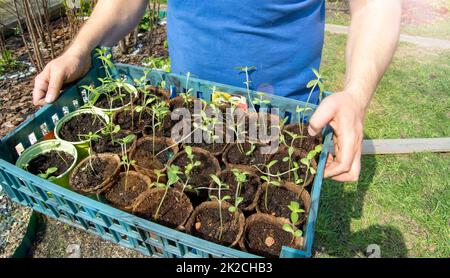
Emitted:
pixel 306 142
pixel 207 225
pixel 248 188
pixel 199 176
pixel 235 156
pixel 266 239
pixel 120 197
pixel 164 130
pixel 90 177
pixel 104 103
pixel 144 154
pixel 59 159
pixel 278 200
pixel 174 209
pixel 283 166
pixel 106 145
pixel 80 124
pixel 178 102
pixel 132 120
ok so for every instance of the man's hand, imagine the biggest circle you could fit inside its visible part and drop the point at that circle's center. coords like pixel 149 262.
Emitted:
pixel 344 112
pixel 67 68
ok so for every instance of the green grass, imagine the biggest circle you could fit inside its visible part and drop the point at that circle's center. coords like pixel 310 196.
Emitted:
pixel 402 202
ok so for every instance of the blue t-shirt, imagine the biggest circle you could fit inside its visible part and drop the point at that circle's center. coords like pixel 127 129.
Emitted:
pixel 283 39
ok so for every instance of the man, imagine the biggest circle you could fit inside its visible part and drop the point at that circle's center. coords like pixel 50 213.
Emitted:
pixel 282 38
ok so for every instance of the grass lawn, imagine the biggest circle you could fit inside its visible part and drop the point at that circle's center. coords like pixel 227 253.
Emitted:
pixel 402 202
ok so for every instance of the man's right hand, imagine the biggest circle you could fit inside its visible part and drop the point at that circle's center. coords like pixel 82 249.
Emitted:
pixel 68 67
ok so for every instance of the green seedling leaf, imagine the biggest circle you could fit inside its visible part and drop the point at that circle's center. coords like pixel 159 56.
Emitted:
pixel 215 179
pixel 271 163
pixel 288 228
pixel 298 233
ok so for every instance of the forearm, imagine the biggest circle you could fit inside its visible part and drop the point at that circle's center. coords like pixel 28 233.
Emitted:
pixel 372 40
pixel 110 21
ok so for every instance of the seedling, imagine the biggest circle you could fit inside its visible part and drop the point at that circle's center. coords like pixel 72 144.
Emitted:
pixel 160 110
pixel 110 130
pixel 220 199
pixel 247 82
pixel 187 96
pixel 261 99
pixel 172 178
pixel 48 174
pixel 252 149
pixel 90 137
pixel 270 181
pixel 240 177
pixel 293 165
pixel 189 168
pixel 126 162
pixel 307 162
pixel 290 227
pixel 301 111
pixel 107 65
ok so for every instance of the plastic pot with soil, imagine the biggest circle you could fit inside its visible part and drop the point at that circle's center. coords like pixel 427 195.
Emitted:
pixel 53 160
pixel 264 235
pixel 214 222
pixel 74 126
pixel 94 173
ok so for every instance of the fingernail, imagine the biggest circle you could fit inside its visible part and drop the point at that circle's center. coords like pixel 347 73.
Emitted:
pixel 49 98
pixel 311 131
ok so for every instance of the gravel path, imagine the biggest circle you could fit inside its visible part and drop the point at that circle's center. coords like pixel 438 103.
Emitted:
pixel 13 225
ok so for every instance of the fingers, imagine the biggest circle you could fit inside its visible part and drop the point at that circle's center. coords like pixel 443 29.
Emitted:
pixel 54 85
pixel 321 117
pixel 40 87
pixel 353 174
pixel 343 161
pixel 47 85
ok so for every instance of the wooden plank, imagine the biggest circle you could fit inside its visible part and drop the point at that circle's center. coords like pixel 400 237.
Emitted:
pixel 399 146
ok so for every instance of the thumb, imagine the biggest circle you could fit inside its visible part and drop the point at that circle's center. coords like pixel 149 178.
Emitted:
pixel 322 116
pixel 54 86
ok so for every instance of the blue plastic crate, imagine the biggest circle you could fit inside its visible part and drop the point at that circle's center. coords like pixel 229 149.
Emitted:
pixel 112 224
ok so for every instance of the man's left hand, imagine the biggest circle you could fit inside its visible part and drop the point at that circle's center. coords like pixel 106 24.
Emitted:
pixel 344 112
